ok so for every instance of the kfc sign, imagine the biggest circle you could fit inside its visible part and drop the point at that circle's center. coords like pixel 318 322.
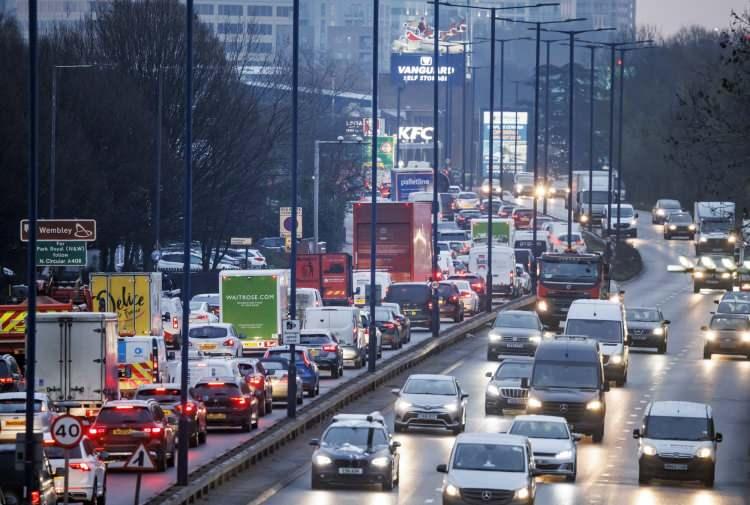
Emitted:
pixel 415 134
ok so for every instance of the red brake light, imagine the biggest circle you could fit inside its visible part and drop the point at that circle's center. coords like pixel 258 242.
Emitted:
pixel 153 430
pixel 330 347
pixel 390 326
pixel 453 299
pixel 228 342
pixel 84 467
pixel 160 390
pixel 239 401
pixel 175 323
pixel 6 380
pixel 124 407
pixel 215 384
pixel 36 498
pixel 189 409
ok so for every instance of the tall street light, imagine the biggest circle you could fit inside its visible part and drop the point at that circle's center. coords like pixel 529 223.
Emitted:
pixel 472 147
pixel 571 134
pixel 435 315
pixel 493 19
pixel 546 118
pixel 373 338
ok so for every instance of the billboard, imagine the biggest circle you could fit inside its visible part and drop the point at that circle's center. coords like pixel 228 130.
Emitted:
pixel 415 68
pixel 512 127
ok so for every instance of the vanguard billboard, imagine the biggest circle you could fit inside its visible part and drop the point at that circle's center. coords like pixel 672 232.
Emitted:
pixel 512 127
pixel 411 68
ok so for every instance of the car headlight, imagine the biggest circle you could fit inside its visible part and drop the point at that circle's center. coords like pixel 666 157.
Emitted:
pixel 704 452
pixel 492 390
pixel 381 462
pixel 634 222
pixel 322 460
pixel 746 336
pixel 522 494
pixel 584 218
pixel 535 339
pixel 594 405
pixel 402 405
pixel 732 239
pixel 452 490
pixel 649 450
pixel 672 227
pixel 726 275
pixel 691 227
pixel 495 337
pixel 660 212
pixel 533 403
pixel 658 331
pixel 451 407
pixel 703 239
pixel 519 187
pixel 542 306
pixel 564 455
pixel 616 359
pixel 698 275
pixel 710 335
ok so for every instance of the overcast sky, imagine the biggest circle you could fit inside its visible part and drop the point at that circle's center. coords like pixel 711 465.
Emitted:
pixel 670 15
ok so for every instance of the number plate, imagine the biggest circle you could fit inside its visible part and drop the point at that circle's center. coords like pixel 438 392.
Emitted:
pixel 514 345
pixel 314 352
pixel 15 422
pixel 216 416
pixel 427 416
pixel 638 337
pixel 675 466
pixel 167 412
pixel 122 432
pixel 516 401
pixel 411 312
pixel 207 347
pixel 350 471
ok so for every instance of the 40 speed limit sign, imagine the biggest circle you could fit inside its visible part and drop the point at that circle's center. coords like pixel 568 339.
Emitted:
pixel 67 431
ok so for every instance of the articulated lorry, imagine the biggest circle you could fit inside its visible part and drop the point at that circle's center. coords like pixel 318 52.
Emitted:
pixel 403 238
pixel 255 302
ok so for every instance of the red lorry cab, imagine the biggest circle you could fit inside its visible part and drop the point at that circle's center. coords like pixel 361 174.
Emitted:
pixel 329 273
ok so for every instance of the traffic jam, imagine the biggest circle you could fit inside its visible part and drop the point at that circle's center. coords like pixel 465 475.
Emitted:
pixel 111 369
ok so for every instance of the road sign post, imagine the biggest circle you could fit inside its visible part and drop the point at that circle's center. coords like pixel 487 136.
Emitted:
pixel 290 332
pixel 67 432
pixel 78 230
pixel 140 461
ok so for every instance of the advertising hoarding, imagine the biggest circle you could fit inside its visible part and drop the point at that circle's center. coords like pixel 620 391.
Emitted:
pixel 414 68
pixel 512 127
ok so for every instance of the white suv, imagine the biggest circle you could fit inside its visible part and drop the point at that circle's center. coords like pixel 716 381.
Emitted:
pixel 677 441
pixel 489 467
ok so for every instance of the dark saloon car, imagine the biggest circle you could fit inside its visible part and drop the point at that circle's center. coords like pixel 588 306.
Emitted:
pixel 679 224
pixel 515 332
pixel 647 328
pixel 415 300
pixel 504 391
pixel 390 328
pixel 324 350
pixel 449 298
pixel 229 402
pixel 168 397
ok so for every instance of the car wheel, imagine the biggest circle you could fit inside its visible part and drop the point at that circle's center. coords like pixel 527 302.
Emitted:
pixel 262 407
pixel 161 461
pixel 246 426
pixel 193 442
pixel 299 400
pixel 316 483
pixel 254 422
pixel 706 353
pixel 457 318
pixel 335 373
pixel 598 436
pixel 317 388
pixel 696 289
pixel 662 348
pixel 491 356
pixel 642 477
pixel 388 484
pixel 571 477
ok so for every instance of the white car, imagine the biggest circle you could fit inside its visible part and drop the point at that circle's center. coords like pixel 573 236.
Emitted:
pixel 552 444
pixel 678 441
pixel 469 298
pixel 13 414
pixel 216 339
pixel 200 313
pixel 467 200
pixel 494 464
pixel 173 262
pixel 87 475
pixel 210 367
pixel 523 278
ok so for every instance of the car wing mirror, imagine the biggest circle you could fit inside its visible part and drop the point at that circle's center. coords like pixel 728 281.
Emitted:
pixel 59 472
pixel 171 355
pixel 395 391
pixel 315 442
pixel 605 386
pixel 667 321
pixel 704 328
pixel 719 437
pixel 488 374
pixel 577 437
pixel 442 468
pixel 464 396
pixel 636 433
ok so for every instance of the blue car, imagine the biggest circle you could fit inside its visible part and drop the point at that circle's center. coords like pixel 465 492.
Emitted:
pixel 307 370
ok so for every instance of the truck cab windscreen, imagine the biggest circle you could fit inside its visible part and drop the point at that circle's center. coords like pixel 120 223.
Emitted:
pixel 569 272
pixel 597 197
pixel 607 332
pixel 549 374
pixel 716 226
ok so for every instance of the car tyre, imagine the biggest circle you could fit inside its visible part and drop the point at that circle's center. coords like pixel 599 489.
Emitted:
pixel 706 353
pixel 598 436
pixel 642 477
pixel 696 289
pixel 269 405
pixel 335 373
pixel 299 400
pixel 193 442
pixel 254 422
pixel 316 483
pixel 262 407
pixel 571 477
pixel 662 349
pixel 94 497
pixel 491 356
pixel 246 427
pixel 161 461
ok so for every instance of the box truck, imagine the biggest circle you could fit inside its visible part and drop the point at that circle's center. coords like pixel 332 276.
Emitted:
pixel 329 273
pixel 714 227
pixel 255 302
pixel 76 359
pixel 414 178
pixel 403 238
pixel 13 324
pixel 134 297
pixel 502 229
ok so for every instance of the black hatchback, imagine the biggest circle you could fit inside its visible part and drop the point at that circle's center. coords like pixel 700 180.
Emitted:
pixel 324 350
pixel 415 300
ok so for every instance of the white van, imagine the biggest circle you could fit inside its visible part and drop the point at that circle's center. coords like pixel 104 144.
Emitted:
pixel 345 324
pixel 503 267
pixel 426 196
pixel 140 360
pixel 445 263
pixel 604 321
pixel 360 281
pixel 307 297
pixel 211 367
pixel 557 238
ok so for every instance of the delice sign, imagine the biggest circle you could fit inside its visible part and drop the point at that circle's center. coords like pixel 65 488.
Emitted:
pixel 419 68
pixel 415 134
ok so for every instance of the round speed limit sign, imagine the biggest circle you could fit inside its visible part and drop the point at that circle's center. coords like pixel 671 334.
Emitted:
pixel 67 431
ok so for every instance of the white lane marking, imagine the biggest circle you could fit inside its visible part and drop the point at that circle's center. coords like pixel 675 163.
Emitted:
pixel 452 367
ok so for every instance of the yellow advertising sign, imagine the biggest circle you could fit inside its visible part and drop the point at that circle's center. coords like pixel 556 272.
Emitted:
pixel 126 295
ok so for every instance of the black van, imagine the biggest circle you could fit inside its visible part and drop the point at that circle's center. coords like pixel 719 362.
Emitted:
pixel 567 380
pixel 415 300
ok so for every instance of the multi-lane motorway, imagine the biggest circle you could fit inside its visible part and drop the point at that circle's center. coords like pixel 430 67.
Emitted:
pixel 607 473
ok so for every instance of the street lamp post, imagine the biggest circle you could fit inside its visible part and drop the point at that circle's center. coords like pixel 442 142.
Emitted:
pixel 399 89
pixel 546 118
pixel 435 315
pixel 373 342
pixel 472 147
pixel 593 49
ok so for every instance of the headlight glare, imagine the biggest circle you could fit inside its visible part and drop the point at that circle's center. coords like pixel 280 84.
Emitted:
pixel 649 450
pixel 616 359
pixel 451 407
pixel 380 462
pixel 522 494
pixel 402 405
pixel 452 490
pixel 660 212
pixel 691 227
pixel 492 390
pixel 710 335
pixel 594 405
pixel 535 339
pixel 564 455
pixel 732 239
pixel 703 239
pixel 533 403
pixel 704 452
pixel 659 331
pixel 698 275
pixel 322 460
pixel 672 227
pixel 495 337
pixel 746 336
pixel 542 306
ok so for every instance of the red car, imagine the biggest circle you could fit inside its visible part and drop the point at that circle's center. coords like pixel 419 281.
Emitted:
pixel 522 218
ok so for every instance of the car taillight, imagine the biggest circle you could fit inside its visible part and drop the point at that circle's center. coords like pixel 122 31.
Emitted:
pixel 256 381
pixel 453 299
pixel 189 409
pixel 36 498
pixel 330 347
pixel 84 467
pixel 228 342
pixel 429 305
pixel 239 401
pixel 390 326
pixel 6 380
pixel 154 431
pixel 202 317
pixel 175 324
pixel 97 431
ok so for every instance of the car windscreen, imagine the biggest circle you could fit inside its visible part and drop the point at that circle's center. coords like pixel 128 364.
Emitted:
pixel 17 406
pixel 196 306
pixel 305 300
pixel 273 366
pixel 505 320
pixel 467 196
pixel 446 236
pixel 540 429
pixel 597 197
pixel 716 226
pixel 680 219
pixel 446 290
pixel 338 436
pixel 642 315
pixel 550 374
pixel 669 204
pixel 245 369
pixel 430 387
pixel 408 293
pixel 126 414
pixel 214 389
pixel 161 395
pixel 383 315
pixel 56 452
pixel 677 428
pixel 553 271
pixel 625 213
pixel 734 307
pixel 489 458
pixel 319 339
pixel 208 332
pixel 608 332
pixel 729 323
pixel 510 370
